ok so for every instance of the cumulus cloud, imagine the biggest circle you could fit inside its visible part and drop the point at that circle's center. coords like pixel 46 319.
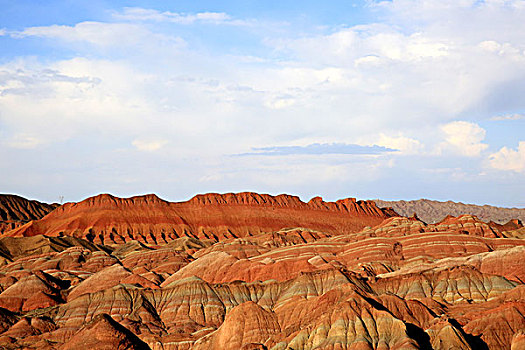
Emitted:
pixel 70 98
pixel 364 44
pixel 464 138
pixel 389 84
pixel 370 78
pixel 405 145
pixel 509 159
pixel 428 52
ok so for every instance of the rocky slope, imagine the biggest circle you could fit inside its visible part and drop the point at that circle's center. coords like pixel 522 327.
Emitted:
pixel 434 211
pixel 396 284
pixel 148 219
pixel 16 211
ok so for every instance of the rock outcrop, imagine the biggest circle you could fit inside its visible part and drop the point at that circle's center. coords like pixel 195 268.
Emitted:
pixel 247 271
pixel 105 219
pixel 104 333
pixel 16 211
pixel 431 211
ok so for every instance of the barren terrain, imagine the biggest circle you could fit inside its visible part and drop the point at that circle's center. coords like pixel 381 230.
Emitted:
pixel 253 271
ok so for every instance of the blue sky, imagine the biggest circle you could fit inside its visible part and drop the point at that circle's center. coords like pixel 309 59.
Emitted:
pixel 369 99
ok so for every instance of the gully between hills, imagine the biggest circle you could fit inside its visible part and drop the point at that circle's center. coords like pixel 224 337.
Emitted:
pixel 252 271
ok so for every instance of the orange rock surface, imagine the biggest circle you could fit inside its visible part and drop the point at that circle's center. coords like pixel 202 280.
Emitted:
pixel 104 333
pixel 105 219
pixel 250 271
pixel 15 211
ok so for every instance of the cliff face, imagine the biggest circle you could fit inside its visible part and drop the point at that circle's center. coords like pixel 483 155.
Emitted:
pixel 434 211
pixel 16 211
pixel 149 219
pixel 283 275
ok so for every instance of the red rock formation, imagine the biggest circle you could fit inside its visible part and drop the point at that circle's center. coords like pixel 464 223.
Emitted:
pixel 15 211
pixel 107 278
pixel 7 319
pixel 288 237
pixel 103 333
pixel 111 220
pixel 14 248
pixel 513 224
pixel 273 273
pixel 16 208
pixel 464 224
pixel 246 326
pixel 396 226
pixel 518 341
pixel 37 290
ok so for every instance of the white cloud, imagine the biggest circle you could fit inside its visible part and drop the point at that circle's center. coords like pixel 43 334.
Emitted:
pixel 509 159
pixel 23 141
pixel 148 145
pixel 405 145
pixel 365 44
pixel 464 138
pixel 515 116
pixel 368 60
pixel 318 149
pixel 70 98
pixel 372 76
pixel 490 45
pixel 280 102
pixel 92 32
pixel 100 34
pixel 396 46
pixel 142 14
pixel 399 84
pixel 426 73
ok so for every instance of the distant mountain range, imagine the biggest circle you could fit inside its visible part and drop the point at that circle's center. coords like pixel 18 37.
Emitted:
pixel 434 211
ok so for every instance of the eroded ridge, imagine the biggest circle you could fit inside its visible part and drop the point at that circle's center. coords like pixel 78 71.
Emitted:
pixel 396 284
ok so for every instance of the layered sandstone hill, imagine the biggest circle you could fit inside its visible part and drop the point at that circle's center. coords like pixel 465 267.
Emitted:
pixel 276 281
pixel 468 224
pixel 149 219
pixel 15 211
pixel 326 294
pixel 434 211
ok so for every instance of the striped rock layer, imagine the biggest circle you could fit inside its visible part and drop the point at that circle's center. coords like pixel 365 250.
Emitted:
pixel 16 211
pixel 105 219
pixel 395 284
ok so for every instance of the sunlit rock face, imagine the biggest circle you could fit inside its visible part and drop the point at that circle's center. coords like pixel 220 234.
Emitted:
pixel 249 271
pixel 105 219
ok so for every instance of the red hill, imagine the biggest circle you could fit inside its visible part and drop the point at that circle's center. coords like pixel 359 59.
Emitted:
pixel 108 219
pixel 16 211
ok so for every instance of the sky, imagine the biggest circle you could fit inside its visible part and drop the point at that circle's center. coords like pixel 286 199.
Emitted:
pixel 369 99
